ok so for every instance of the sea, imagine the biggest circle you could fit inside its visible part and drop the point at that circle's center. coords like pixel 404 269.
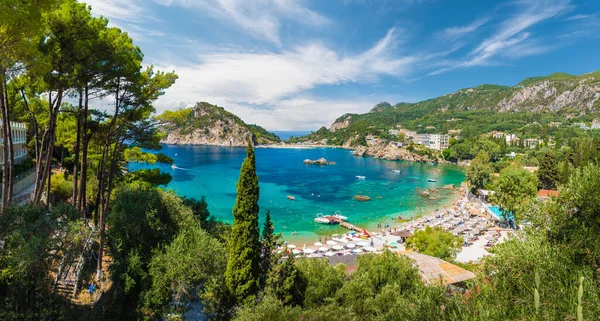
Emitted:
pixel 212 172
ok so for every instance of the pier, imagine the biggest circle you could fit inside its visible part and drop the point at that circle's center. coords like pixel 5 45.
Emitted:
pixel 352 227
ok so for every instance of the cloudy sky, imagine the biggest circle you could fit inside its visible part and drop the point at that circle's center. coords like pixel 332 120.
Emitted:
pixel 299 64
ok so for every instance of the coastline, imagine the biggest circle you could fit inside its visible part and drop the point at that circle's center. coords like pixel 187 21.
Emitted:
pixel 371 226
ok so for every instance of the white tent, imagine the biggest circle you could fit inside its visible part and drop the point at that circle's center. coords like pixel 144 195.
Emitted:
pixel 323 249
pixel 318 244
pixel 330 243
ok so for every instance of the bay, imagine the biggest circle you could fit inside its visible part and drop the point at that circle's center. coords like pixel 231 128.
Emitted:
pixel 212 172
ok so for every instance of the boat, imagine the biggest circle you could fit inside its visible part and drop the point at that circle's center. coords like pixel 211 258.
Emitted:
pixel 291 198
pixel 397 171
pixel 173 166
pixel 339 216
pixel 360 177
pixel 431 180
pixel 322 220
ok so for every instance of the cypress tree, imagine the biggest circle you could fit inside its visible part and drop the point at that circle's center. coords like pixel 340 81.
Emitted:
pixel 243 267
pixel 269 241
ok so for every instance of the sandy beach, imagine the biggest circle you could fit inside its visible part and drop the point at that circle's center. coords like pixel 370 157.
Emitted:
pixel 461 217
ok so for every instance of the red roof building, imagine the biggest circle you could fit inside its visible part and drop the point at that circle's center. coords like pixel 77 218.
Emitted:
pixel 545 194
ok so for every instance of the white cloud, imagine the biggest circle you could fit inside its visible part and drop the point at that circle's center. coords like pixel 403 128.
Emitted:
pixel 274 81
pixel 579 17
pixel 511 35
pixel 128 15
pixel 454 33
pixel 261 18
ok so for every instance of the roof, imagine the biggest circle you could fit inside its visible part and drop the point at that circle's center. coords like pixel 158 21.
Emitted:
pixel 403 233
pixel 547 193
pixel 433 269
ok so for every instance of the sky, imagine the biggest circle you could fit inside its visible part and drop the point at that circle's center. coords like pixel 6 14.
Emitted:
pixel 300 64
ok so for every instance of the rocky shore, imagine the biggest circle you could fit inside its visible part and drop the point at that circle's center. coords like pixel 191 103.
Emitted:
pixel 320 161
pixel 391 152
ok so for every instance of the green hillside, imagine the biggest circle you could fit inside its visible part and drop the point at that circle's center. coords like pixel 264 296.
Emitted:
pixel 558 97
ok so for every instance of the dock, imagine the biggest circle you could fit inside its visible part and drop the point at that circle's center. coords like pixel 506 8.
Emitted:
pixel 352 227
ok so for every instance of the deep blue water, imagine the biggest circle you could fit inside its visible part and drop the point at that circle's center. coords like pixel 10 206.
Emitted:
pixel 285 135
pixel 213 172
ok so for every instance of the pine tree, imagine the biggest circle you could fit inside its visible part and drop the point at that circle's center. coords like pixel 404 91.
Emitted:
pixel 269 241
pixel 287 283
pixel 243 267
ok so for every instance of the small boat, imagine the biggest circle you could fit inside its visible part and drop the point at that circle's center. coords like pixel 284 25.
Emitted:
pixel 322 220
pixel 431 180
pixel 360 177
pixel 397 171
pixel 291 198
pixel 175 154
pixel 339 216
pixel 173 166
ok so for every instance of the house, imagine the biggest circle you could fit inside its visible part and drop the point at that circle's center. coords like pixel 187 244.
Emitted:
pixel 438 141
pixel 454 132
pixel 581 126
pixel 512 139
pixel 484 195
pixel 531 142
pixel 498 135
pixel 547 194
pixel 393 132
pixel 421 139
pixel 19 139
pixel 596 124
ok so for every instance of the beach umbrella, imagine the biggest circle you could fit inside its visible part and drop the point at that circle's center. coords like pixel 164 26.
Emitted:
pixel 318 244
pixel 296 252
pixel 323 249
pixel 337 247
pixel 370 249
pixel 329 254
pixel 309 251
pixel 336 239
pixel 344 241
pixel 291 246
pixel 330 242
pixel 489 238
pixel 355 251
pixel 350 245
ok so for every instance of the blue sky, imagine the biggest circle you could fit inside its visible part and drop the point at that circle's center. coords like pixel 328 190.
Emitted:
pixel 298 65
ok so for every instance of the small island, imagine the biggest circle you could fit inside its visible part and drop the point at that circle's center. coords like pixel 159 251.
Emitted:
pixel 362 198
pixel 320 161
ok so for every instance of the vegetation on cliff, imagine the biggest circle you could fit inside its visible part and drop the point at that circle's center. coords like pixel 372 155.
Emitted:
pixel 204 118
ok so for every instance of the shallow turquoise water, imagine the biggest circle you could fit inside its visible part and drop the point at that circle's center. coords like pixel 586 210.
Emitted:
pixel 213 172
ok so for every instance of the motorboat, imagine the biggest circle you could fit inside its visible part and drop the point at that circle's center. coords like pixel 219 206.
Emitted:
pixel 173 166
pixel 360 177
pixel 397 171
pixel 291 198
pixel 322 220
pixel 431 180
pixel 339 216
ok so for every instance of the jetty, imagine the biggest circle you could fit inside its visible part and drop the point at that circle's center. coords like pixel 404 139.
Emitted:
pixel 352 227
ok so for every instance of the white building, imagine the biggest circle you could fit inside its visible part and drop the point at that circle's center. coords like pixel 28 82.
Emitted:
pixel 596 124
pixel 19 138
pixel 393 132
pixel 438 141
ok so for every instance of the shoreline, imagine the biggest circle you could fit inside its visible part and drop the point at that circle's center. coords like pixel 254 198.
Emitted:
pixel 371 226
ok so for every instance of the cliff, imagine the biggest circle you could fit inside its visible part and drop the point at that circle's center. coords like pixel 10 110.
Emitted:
pixel 391 152
pixel 206 124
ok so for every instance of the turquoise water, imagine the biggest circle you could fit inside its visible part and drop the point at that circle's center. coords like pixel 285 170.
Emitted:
pixel 213 172
pixel 286 134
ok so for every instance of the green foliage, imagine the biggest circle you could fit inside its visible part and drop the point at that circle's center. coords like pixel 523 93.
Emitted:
pixel 514 189
pixel 548 173
pixel 287 283
pixel 323 281
pixel 61 187
pixel 164 159
pixel 243 267
pixel 269 243
pixel 478 173
pixel 435 242
pixel 152 176
pixel 262 136
pixel 189 261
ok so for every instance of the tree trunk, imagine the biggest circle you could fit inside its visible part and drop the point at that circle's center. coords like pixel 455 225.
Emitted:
pixel 5 171
pixel 81 204
pixel 36 139
pixel 76 150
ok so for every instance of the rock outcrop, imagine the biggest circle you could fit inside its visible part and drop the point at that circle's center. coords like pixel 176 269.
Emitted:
pixel 362 198
pixel 320 161
pixel 206 124
pixel 391 152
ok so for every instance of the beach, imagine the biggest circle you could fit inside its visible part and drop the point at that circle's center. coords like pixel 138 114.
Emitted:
pixel 462 217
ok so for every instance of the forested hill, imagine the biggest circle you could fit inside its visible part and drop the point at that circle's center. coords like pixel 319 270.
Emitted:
pixel 206 124
pixel 558 97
